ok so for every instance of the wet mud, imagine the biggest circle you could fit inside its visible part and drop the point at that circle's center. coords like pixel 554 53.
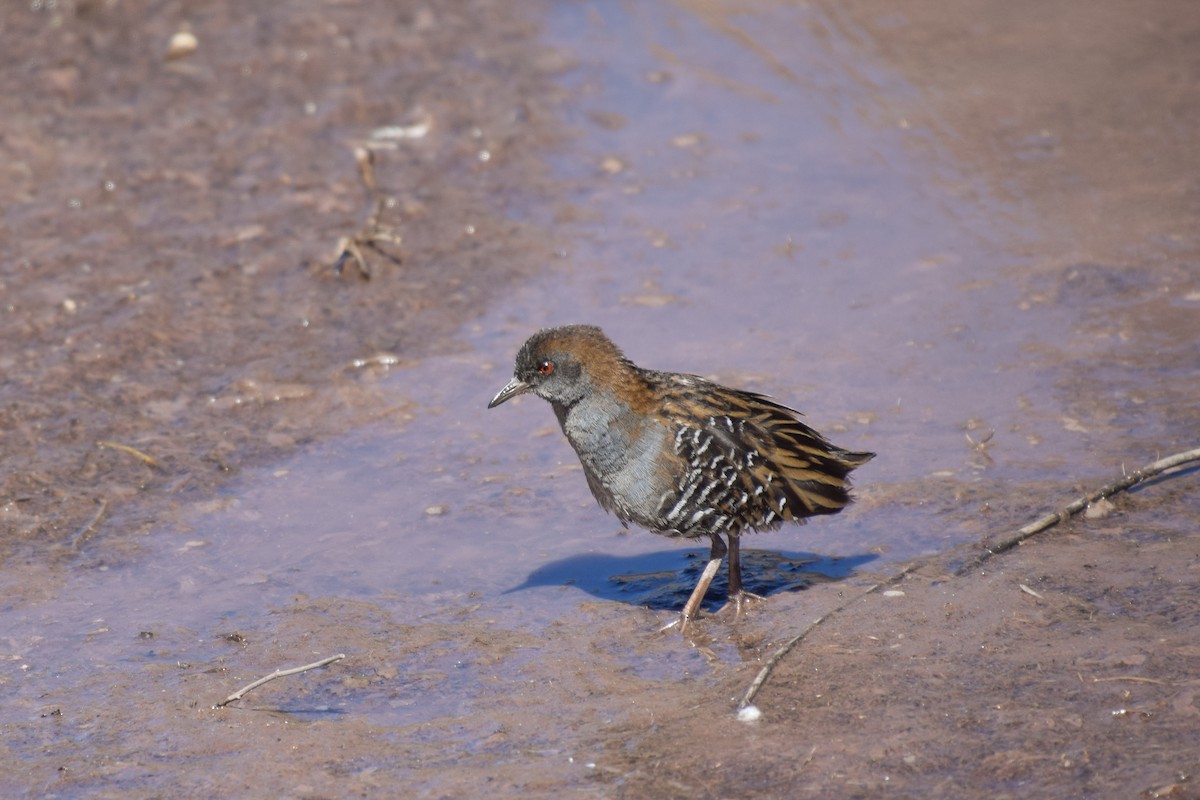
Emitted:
pixel 263 270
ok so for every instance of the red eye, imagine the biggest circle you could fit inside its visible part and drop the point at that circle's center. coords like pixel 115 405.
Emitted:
pixel 546 367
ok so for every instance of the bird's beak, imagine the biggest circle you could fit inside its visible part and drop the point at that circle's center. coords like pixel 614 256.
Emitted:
pixel 513 388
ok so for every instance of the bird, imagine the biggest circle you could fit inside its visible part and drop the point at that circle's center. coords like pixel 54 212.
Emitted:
pixel 680 455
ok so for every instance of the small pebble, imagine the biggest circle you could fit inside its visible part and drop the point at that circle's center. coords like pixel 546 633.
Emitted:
pixel 612 165
pixel 182 44
pixel 749 714
pixel 436 511
pixel 415 128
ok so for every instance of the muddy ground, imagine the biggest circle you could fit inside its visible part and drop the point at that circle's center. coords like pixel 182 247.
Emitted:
pixel 173 225
pixel 172 322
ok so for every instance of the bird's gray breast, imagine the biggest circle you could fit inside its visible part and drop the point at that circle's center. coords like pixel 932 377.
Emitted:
pixel 620 454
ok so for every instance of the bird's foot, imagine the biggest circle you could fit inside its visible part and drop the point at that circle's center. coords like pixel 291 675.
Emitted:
pixel 739 601
pixel 683 622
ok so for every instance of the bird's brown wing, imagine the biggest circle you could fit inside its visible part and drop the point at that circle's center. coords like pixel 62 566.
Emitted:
pixel 764 464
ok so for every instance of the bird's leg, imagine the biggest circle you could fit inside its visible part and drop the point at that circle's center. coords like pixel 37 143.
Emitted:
pixel 737 596
pixel 735 566
pixel 715 557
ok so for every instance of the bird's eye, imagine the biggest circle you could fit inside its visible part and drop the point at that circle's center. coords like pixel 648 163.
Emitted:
pixel 546 367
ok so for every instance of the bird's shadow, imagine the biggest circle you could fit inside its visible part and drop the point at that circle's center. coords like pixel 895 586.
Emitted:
pixel 664 579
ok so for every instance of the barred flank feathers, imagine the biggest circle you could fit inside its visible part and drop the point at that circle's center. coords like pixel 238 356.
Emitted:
pixel 750 459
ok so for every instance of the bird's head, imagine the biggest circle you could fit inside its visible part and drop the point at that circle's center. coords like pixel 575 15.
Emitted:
pixel 561 364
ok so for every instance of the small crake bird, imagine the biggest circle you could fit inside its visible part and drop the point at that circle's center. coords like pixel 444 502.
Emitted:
pixel 680 455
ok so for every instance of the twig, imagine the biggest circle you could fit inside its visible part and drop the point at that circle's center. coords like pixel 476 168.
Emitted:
pixel 124 448
pixel 79 535
pixel 1050 520
pixel 279 673
pixel 1133 678
pixel 349 248
pixel 1130 480
pixel 786 647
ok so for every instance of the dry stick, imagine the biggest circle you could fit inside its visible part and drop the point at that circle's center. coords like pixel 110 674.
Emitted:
pixel 1132 479
pixel 1039 525
pixel 1133 678
pixel 372 233
pixel 79 535
pixel 787 646
pixel 279 673
pixel 124 448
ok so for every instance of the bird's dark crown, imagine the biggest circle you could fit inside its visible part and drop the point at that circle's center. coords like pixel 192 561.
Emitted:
pixel 563 364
